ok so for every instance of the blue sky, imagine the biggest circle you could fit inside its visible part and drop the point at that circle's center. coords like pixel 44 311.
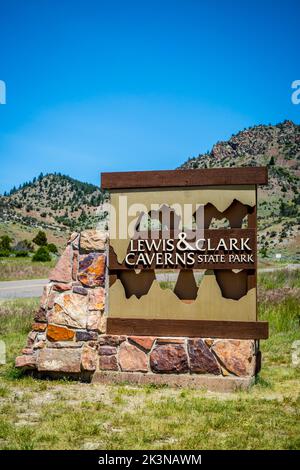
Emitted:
pixel 130 85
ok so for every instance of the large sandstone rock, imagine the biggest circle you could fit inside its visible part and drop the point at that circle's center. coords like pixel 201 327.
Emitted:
pixel 26 362
pixel 169 358
pixel 63 270
pixel 93 240
pixel 59 360
pixel 69 310
pixel 132 359
pixel 202 359
pixel 92 270
pixel 237 356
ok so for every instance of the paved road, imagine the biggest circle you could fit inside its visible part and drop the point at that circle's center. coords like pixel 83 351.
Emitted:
pixel 34 288
pixel 16 289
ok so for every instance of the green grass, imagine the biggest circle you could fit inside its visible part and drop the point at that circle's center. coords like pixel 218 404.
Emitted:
pixel 16 318
pixel 280 278
pixel 41 414
pixel 13 269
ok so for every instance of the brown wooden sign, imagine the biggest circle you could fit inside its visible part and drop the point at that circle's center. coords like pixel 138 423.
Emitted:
pixel 184 178
pixel 222 301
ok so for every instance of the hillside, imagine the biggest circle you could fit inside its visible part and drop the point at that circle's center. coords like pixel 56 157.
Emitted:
pixel 60 204
pixel 278 147
pixel 53 202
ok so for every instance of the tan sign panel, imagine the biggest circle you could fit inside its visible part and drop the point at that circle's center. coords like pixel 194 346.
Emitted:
pixel 183 253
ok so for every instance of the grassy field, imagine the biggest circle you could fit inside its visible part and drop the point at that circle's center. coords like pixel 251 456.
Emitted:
pixel 18 232
pixel 13 269
pixel 68 415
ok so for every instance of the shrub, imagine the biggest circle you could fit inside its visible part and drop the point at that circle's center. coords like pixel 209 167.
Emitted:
pixel 21 254
pixel 272 161
pixel 42 254
pixel 5 243
pixel 52 248
pixel 4 253
pixel 264 252
pixel 40 239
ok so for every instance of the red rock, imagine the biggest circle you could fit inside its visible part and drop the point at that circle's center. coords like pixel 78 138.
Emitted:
pixel 59 360
pixel 237 356
pixel 40 315
pixel 59 333
pixel 107 350
pixel 202 359
pixel 146 342
pixel 26 362
pixel 97 298
pixel 27 351
pixel 92 270
pixel 169 358
pixel 111 340
pixel 108 363
pixel 63 270
pixel 89 358
pixel 132 359
pixel 31 338
pixel 60 287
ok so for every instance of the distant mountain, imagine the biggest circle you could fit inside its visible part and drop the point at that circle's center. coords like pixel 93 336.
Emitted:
pixel 61 204
pixel 53 201
pixel 277 147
